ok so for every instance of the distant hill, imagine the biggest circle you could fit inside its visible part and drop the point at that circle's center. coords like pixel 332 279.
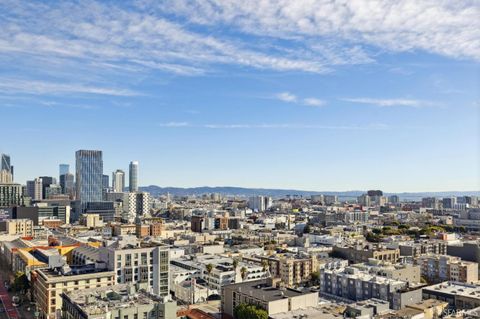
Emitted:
pixel 240 191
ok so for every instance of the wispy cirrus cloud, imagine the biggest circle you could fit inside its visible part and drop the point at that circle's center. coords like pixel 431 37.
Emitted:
pixel 292 98
pixel 112 42
pixel 11 86
pixel 175 124
pixel 390 102
pixel 444 28
pixel 274 126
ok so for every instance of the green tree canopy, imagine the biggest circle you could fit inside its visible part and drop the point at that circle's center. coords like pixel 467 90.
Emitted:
pixel 246 311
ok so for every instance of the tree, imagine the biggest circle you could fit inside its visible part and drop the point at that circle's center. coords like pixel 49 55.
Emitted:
pixel 235 263
pixel 315 278
pixel 246 311
pixel 244 272
pixel 306 229
pixel 20 282
pixel 209 269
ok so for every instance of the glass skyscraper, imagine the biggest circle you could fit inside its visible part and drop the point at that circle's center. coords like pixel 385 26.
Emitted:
pixel 5 162
pixel 63 169
pixel 6 169
pixel 133 177
pixel 89 176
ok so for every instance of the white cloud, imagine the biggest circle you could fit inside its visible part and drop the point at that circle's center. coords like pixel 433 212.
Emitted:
pixel 286 97
pixel 390 102
pixel 175 124
pixel 275 126
pixel 442 27
pixel 109 42
pixel 9 85
pixel 313 101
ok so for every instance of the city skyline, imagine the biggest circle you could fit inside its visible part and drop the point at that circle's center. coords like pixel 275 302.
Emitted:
pixel 228 94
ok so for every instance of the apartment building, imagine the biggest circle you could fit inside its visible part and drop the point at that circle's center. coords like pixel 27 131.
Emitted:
pixel 135 262
pixel 355 285
pixel 295 269
pixel 49 284
pixel 424 247
pixel 20 227
pixel 404 272
pixel 439 268
pixel 292 269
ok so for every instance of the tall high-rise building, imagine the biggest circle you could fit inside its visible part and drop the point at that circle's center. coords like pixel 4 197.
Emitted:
pixel 35 189
pixel 89 176
pixel 105 181
pixel 133 177
pixel 118 180
pixel 63 169
pixel 6 169
pixel 260 203
pixel 46 182
pixel 67 182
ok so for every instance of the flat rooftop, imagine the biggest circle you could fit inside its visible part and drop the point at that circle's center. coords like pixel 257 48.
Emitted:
pixel 322 312
pixel 96 301
pixel 455 288
pixel 261 290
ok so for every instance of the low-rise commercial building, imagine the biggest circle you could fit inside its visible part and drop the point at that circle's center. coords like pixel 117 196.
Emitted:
pixel 263 295
pixel 460 296
pixel 119 301
pixel 362 252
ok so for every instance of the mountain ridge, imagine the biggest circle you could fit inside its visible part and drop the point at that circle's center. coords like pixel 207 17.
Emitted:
pixel 246 191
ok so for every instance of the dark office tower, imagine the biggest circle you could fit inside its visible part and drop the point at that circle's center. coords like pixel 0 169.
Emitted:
pixel 68 185
pixel 375 193
pixel 133 177
pixel 105 181
pixel 105 186
pixel 46 182
pixel 89 173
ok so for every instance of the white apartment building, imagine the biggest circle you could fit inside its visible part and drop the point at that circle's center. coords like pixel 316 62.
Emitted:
pixel 135 204
pixel 136 263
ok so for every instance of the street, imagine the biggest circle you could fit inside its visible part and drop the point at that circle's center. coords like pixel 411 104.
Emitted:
pixel 12 312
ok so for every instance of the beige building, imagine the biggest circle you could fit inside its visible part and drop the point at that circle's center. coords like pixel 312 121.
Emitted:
pixel 91 220
pixel 48 286
pixel 431 308
pixel 124 229
pixel 295 270
pixel 363 252
pixel 291 269
pixel 20 227
pixel 263 295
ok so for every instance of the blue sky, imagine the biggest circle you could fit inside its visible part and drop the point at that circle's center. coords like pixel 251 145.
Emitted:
pixel 314 95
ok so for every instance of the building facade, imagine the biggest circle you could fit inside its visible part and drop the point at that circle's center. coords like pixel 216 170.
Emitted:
pixel 89 174
pixel 133 176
